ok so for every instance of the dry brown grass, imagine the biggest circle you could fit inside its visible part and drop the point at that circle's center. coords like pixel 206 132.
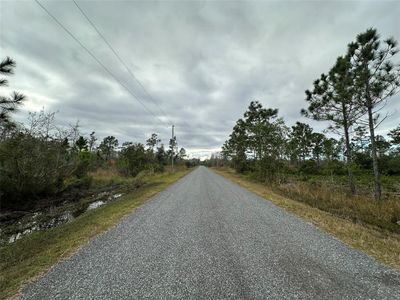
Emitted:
pixel 364 209
pixel 104 172
pixel 379 243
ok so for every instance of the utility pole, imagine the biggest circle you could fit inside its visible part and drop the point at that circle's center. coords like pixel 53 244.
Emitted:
pixel 172 148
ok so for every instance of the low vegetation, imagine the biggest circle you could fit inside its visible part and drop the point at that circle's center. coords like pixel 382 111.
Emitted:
pixel 333 199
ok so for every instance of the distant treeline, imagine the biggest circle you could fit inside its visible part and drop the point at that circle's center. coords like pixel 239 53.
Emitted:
pixel 350 97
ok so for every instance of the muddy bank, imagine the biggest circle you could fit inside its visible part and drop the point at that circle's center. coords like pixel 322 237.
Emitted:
pixel 15 225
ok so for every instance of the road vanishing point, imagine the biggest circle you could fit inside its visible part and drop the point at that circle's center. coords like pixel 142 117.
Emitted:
pixel 207 238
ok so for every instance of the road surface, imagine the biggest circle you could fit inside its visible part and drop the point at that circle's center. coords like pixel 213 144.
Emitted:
pixel 207 238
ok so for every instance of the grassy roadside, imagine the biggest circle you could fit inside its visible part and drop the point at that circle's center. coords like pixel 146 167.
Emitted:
pixel 378 243
pixel 35 254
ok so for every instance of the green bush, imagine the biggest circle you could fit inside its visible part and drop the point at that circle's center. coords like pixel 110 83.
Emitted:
pixel 83 164
pixel 390 165
pixel 32 168
pixel 134 158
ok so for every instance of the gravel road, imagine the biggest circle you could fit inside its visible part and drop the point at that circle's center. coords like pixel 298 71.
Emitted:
pixel 207 238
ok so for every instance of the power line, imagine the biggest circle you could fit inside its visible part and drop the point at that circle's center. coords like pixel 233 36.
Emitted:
pixel 120 59
pixel 98 61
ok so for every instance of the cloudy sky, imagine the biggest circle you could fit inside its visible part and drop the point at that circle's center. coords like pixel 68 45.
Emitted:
pixel 201 62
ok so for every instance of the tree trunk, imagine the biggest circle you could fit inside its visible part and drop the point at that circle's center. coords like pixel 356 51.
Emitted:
pixel 349 161
pixel 348 152
pixel 377 179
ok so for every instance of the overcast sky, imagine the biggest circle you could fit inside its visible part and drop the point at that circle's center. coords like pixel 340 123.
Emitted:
pixel 202 62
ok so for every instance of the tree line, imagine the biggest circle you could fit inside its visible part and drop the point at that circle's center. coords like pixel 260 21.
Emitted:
pixel 39 158
pixel 350 97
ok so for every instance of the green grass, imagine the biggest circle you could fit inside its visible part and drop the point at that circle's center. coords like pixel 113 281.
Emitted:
pixel 33 255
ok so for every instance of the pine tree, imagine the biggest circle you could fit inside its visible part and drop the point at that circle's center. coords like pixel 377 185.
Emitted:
pixel 11 103
pixel 332 99
pixel 377 79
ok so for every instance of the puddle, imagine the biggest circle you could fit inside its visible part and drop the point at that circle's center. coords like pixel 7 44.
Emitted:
pixel 95 205
pixel 15 237
pixel 116 196
pixel 33 222
pixel 33 226
pixel 99 203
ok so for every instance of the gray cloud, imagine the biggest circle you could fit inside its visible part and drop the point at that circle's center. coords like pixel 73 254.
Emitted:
pixel 202 62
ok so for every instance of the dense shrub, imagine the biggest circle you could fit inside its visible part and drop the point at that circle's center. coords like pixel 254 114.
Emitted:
pixel 83 164
pixel 31 167
pixel 134 158
pixel 390 165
